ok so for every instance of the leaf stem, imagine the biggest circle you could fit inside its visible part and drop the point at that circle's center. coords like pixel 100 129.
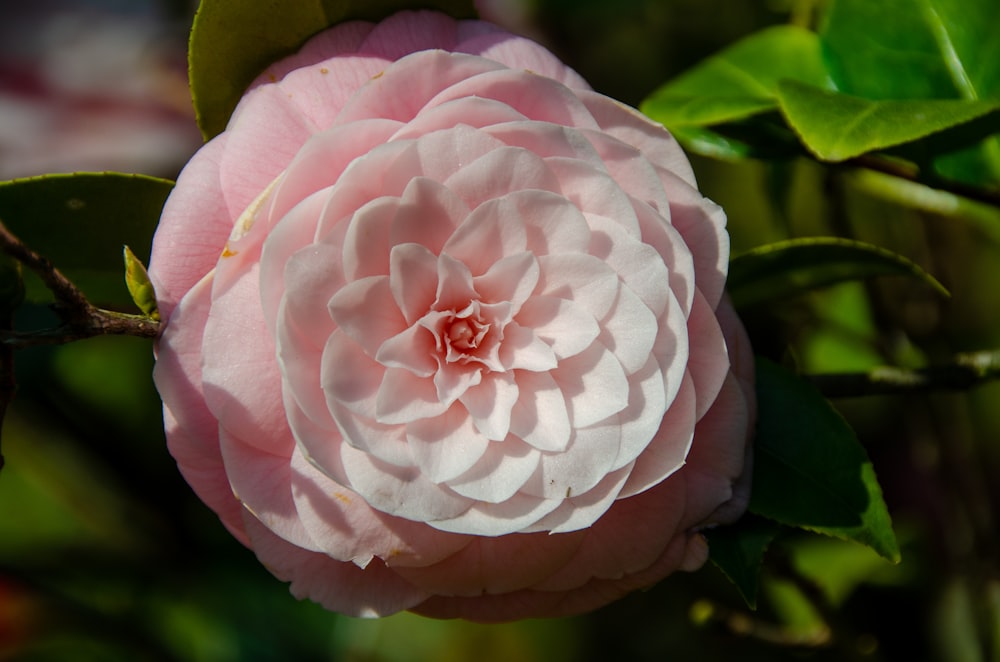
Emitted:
pixel 80 318
pixel 967 370
pixel 911 173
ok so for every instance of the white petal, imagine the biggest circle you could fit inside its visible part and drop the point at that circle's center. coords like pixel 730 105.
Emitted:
pixel 512 278
pixel 587 459
pixel 581 278
pixel 365 310
pixel 647 404
pixel 580 512
pixel 629 331
pixel 522 349
pixel 413 279
pixel 404 397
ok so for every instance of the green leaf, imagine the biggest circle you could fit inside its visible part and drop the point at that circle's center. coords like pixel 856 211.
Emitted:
pixel 738 551
pixel 795 266
pixel 836 127
pixel 740 81
pixel 810 471
pixel 233 41
pixel 920 49
pixel 80 222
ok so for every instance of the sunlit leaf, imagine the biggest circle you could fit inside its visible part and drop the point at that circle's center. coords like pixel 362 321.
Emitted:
pixel 920 49
pixel 80 222
pixel 740 81
pixel 738 551
pixel 233 41
pixel 810 471
pixel 788 268
pixel 836 127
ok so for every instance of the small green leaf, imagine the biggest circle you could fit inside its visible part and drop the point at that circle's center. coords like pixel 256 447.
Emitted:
pixel 738 551
pixel 233 41
pixel 139 286
pixel 80 221
pixel 740 81
pixel 795 266
pixel 810 471
pixel 836 127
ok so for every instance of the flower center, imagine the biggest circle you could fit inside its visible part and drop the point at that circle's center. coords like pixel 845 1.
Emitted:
pixel 464 333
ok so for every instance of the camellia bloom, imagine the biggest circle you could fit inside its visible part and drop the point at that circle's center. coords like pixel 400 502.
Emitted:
pixel 445 330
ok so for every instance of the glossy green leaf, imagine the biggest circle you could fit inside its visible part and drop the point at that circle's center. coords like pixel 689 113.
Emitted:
pixel 836 127
pixel 233 41
pixel 739 82
pixel 795 266
pixel 738 551
pixel 810 471
pixel 921 49
pixel 80 222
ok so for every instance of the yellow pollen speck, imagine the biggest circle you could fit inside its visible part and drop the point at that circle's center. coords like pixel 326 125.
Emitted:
pixel 324 70
pixel 343 498
pixel 568 490
pixel 378 75
pixel 271 77
pixel 228 253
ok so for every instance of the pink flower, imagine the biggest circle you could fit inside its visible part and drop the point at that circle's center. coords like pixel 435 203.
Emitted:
pixel 446 330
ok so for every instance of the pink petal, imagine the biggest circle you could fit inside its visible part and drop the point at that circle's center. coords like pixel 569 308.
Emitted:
pixel 262 482
pixel 366 311
pixel 583 279
pixel 639 265
pixel 629 331
pixel 446 446
pixel 496 565
pixel 665 239
pixel 669 448
pixel 498 519
pixel 708 362
pixel 499 173
pixel 413 349
pixel 428 214
pixel 475 112
pixel 413 279
pixel 594 385
pixel 348 529
pixel 565 326
pixel 512 278
pixel 366 244
pixel 342 587
pixel 630 167
pixel 240 374
pixel 193 228
pixel 501 472
pixel 580 467
pixel 265 116
pixel 553 225
pixel 455 286
pixel 582 511
pixel 523 54
pixel 400 491
pixel 409 83
pixel 349 376
pixel 343 39
pixel 384 442
pixel 522 349
pixel 702 223
pixel 489 404
pixel 536 97
pixel 540 417
pixel 545 140
pixel 454 379
pixel 404 397
pixel 643 417
pixel 634 128
pixel 408 32
pixel 594 193
pixel 320 89
pixel 320 161
pixel 288 251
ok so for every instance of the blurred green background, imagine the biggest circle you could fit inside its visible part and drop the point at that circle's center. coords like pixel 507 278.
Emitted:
pixel 106 554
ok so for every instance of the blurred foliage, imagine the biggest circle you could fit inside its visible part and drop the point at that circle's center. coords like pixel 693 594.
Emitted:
pixel 106 554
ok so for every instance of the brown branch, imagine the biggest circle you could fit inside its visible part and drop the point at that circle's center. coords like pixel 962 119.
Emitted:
pixel 967 371
pixel 80 318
